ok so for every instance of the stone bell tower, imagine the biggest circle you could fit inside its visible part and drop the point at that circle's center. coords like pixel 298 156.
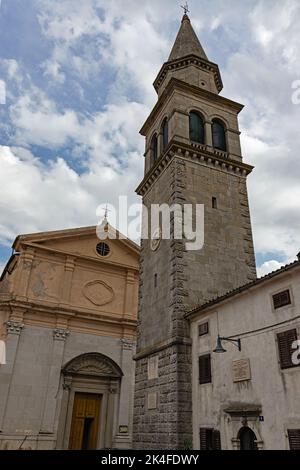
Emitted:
pixel 193 156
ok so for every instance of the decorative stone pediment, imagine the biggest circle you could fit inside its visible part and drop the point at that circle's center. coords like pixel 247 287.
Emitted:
pixel 94 364
pixel 98 292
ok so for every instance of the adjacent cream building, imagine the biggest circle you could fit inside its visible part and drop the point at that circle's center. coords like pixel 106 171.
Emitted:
pixel 68 308
pixel 248 399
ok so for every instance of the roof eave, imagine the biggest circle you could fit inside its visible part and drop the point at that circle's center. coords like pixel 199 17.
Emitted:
pixel 239 291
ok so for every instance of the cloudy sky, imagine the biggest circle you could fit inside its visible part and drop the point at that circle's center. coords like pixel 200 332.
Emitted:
pixel 76 85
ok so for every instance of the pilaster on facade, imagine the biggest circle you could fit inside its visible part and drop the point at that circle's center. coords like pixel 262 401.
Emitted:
pixel 14 327
pixel 23 277
pixel 67 280
pixel 129 293
pixel 127 344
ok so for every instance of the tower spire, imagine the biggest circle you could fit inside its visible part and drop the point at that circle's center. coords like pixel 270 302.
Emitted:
pixel 186 42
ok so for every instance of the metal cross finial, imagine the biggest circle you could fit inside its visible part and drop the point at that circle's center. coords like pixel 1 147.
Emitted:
pixel 106 211
pixel 185 8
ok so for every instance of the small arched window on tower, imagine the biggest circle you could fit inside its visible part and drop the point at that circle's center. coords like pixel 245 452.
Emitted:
pixel 219 135
pixel 153 149
pixel 165 134
pixel 196 128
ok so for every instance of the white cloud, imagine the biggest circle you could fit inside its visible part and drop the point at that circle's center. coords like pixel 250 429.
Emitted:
pixel 38 122
pixel 48 195
pixel 268 267
pixel 258 42
pixel 2 92
pixel 52 69
pixel 260 74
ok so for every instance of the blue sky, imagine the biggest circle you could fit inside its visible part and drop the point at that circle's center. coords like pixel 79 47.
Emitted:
pixel 78 79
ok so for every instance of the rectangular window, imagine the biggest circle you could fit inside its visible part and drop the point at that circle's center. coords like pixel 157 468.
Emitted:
pixel 214 203
pixel 285 342
pixel 282 299
pixel 155 280
pixel 203 329
pixel 210 439
pixel 205 369
pixel 294 439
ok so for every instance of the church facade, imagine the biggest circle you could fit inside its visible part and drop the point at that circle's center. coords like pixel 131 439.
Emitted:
pixel 68 308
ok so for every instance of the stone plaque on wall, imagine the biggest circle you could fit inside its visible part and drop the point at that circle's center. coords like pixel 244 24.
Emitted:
pixel 152 401
pixel 241 370
pixel 153 367
pixel 123 429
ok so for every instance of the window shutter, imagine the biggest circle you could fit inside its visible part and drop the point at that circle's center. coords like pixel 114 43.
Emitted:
pixel 281 299
pixel 210 439
pixel 285 342
pixel 216 440
pixel 204 369
pixel 203 329
pixel 294 439
pixel 203 439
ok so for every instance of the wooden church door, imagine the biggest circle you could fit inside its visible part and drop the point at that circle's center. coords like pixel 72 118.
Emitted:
pixel 85 422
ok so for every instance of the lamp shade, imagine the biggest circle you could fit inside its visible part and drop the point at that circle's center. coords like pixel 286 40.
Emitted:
pixel 219 347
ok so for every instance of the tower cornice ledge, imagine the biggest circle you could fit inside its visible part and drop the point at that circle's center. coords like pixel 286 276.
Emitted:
pixel 190 59
pixel 161 346
pixel 198 153
pixel 176 84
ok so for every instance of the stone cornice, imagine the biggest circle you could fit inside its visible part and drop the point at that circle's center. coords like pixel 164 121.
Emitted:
pixel 161 346
pixel 197 153
pixel 185 62
pixel 36 238
pixel 69 312
pixel 78 257
pixel 175 84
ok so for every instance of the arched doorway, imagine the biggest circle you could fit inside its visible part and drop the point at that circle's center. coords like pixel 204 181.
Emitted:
pixel 91 388
pixel 247 438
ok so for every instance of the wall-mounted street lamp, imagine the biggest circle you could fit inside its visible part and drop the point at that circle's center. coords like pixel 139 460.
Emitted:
pixel 219 347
